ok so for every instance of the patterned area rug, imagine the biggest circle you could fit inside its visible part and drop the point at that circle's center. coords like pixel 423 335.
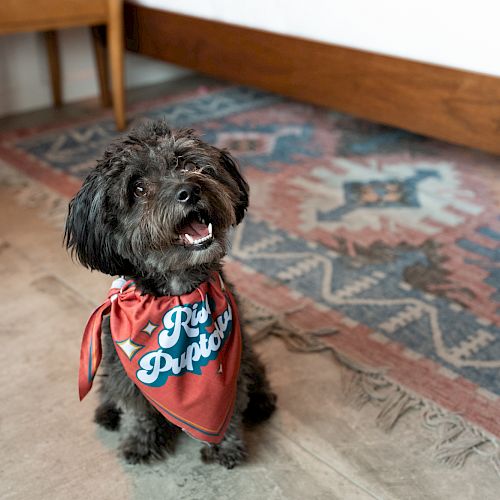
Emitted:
pixel 389 238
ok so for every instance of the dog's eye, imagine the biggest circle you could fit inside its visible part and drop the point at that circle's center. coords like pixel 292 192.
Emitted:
pixel 139 189
pixel 189 167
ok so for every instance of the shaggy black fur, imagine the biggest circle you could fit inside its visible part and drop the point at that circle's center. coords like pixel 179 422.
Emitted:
pixel 125 220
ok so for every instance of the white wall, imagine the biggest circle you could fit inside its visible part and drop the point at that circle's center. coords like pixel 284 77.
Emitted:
pixel 24 72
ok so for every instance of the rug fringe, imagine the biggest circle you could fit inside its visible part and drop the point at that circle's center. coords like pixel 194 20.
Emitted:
pixel 50 206
pixel 456 439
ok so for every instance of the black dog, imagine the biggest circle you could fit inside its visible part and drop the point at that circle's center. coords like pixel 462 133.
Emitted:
pixel 128 219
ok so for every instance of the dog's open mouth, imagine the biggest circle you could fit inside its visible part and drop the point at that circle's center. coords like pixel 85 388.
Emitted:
pixel 195 231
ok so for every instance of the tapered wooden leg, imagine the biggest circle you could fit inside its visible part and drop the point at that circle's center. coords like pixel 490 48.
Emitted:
pixel 115 52
pixel 101 60
pixel 54 66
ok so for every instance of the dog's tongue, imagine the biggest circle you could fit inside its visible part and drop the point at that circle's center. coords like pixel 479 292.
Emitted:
pixel 196 230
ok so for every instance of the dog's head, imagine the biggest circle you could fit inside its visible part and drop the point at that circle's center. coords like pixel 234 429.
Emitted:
pixel 158 200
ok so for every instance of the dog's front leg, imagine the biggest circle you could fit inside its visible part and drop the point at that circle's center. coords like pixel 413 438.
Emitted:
pixel 231 450
pixel 147 435
pixel 108 415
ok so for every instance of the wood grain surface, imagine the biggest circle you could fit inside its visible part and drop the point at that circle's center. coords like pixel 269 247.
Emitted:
pixel 38 15
pixel 457 106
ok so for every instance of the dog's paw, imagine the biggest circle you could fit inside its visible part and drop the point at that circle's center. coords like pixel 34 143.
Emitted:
pixel 228 456
pixel 260 407
pixel 136 452
pixel 133 457
pixel 108 416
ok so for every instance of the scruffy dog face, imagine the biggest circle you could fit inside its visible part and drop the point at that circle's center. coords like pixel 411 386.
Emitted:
pixel 159 200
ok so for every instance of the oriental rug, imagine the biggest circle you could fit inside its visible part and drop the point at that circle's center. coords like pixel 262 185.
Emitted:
pixel 390 239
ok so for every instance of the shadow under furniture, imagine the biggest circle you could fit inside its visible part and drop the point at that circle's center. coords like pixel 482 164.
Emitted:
pixel 105 19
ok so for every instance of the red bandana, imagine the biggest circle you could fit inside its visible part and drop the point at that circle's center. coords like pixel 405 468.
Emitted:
pixel 183 352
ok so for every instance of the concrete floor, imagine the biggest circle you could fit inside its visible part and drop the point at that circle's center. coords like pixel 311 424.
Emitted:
pixel 315 447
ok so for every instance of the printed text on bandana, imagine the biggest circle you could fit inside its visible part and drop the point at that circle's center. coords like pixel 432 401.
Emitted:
pixel 185 344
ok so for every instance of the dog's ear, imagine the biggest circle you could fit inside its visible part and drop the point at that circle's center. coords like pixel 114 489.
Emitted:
pixel 229 163
pixel 88 235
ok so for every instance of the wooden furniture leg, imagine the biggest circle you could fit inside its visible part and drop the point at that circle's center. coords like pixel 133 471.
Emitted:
pixel 47 16
pixel 99 42
pixel 116 55
pixel 54 65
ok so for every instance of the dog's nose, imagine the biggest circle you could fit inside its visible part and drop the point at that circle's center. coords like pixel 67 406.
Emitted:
pixel 188 193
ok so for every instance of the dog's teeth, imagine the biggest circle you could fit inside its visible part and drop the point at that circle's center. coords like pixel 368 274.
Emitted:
pixel 189 238
pixel 210 229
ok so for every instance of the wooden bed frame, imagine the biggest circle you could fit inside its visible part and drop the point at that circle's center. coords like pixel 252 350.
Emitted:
pixel 457 106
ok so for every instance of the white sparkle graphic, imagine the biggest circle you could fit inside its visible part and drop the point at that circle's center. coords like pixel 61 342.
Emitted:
pixel 129 347
pixel 149 328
